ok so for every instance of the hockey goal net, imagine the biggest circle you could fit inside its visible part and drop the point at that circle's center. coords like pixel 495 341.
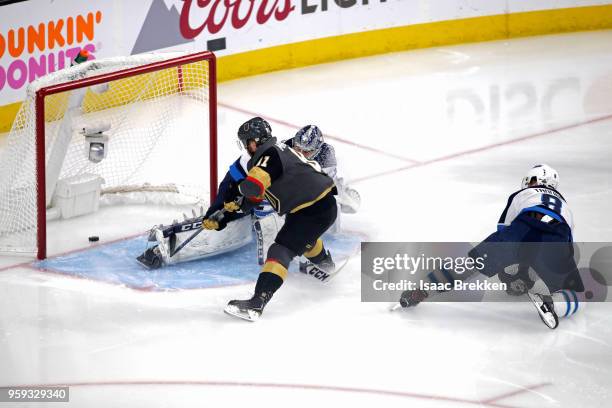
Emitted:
pixel 136 130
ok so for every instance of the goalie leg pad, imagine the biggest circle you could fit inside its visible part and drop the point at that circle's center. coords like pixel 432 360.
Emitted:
pixel 210 243
pixel 163 244
pixel 207 243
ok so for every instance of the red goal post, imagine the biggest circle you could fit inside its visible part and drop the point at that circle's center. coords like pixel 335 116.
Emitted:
pixel 42 123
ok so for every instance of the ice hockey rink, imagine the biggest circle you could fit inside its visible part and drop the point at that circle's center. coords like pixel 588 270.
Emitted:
pixel 434 140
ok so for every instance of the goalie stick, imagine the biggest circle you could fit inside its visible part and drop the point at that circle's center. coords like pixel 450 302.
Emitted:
pixel 188 225
pixel 191 237
pixel 216 216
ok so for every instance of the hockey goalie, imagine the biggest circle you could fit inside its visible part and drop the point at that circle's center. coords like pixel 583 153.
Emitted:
pixel 216 231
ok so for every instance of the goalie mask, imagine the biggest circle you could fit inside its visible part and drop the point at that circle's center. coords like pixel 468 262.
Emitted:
pixel 308 140
pixel 543 175
pixel 256 129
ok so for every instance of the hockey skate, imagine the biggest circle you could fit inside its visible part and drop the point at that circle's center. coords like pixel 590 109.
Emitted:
pixel 151 258
pixel 411 298
pixel 324 271
pixel 157 256
pixel 546 309
pixel 250 309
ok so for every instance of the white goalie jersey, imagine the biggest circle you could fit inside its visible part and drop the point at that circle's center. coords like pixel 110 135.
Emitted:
pixel 546 201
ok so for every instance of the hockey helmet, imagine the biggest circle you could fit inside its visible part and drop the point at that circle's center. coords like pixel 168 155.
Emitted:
pixel 256 129
pixel 308 139
pixel 543 174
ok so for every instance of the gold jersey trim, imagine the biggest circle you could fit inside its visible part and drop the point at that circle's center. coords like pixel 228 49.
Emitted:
pixel 309 203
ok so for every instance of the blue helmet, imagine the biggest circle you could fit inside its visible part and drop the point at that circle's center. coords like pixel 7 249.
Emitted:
pixel 308 139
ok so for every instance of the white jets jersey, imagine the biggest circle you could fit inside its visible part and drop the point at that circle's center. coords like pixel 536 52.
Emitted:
pixel 544 200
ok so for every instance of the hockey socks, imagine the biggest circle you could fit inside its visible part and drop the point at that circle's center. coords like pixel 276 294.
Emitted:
pixel 566 302
pixel 271 277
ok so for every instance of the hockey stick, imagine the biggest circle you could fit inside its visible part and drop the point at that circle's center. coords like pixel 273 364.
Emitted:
pixel 188 240
pixel 260 243
pixel 216 216
pixel 188 225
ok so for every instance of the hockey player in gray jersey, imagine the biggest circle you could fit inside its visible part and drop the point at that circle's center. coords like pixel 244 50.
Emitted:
pixel 310 142
pixel 533 241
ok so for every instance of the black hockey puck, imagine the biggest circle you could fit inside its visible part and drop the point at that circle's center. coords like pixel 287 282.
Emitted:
pixel 94 238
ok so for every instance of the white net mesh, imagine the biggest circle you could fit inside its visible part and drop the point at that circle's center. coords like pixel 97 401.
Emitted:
pixel 155 151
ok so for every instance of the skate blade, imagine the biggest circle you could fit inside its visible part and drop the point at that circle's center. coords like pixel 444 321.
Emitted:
pixel 549 319
pixel 249 315
pixel 395 307
pixel 144 262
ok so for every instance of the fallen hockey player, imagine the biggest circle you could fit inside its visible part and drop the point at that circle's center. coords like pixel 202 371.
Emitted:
pixel 533 242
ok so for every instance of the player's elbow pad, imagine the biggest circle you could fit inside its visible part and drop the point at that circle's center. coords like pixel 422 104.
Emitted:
pixel 252 189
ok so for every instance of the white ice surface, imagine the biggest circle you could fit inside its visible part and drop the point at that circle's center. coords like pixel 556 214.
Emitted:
pixel 435 141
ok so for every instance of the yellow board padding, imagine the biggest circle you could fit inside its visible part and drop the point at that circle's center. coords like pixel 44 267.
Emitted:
pixel 7 116
pixel 315 250
pixel 136 88
pixel 275 268
pixel 120 92
pixel 484 28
